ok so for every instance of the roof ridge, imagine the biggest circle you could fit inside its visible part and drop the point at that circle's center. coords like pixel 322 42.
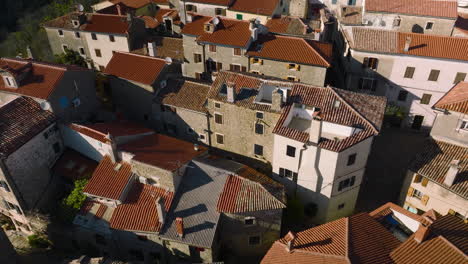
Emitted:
pixel 453 87
pixel 89 129
pixel 140 55
pixel 347 234
pixel 257 183
pixel 450 244
pixel 41 63
pixel 315 50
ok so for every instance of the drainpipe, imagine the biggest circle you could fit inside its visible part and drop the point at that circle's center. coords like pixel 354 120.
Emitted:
pixel 304 147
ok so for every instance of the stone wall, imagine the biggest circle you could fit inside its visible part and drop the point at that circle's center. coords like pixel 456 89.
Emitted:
pixel 162 178
pixel 69 38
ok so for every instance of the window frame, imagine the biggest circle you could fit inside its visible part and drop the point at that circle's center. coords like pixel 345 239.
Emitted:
pixel 96 51
pixel 290 148
pixel 216 114
pixel 261 113
pixel 258 125
pixel 412 73
pixel 216 138
pixel 217 105
pixel 463 125
pixel 351 159
pixel 234 50
pixel 258 147
pixel 212 48
pixel 197 55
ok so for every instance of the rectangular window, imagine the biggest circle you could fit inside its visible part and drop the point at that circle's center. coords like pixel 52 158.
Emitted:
pixel 98 52
pixel 254 240
pixel 464 125
pixel 371 63
pixel 429 25
pixel 255 61
pixel 346 183
pixel 351 159
pixel 249 220
pixel 93 36
pixel 198 75
pixel 191 8
pixel 402 96
pixel 409 72
pixel 417 194
pixel 397 22
pixel 460 77
pixel 291 151
pixel 219 66
pixel 234 67
pixel 334 2
pixel 259 115
pixel 426 99
pixel 368 84
pixel 258 150
pixel 60 32
pixel 219 139
pixel 111 38
pixel 64 48
pixel 217 105
pixel 259 128
pixel 197 57
pixel 434 75
pixel 293 66
pixel 237 51
pixel 212 48
pixel 341 206
pixel 82 51
pixel 219 11
pixel 218 118
pixel 77 34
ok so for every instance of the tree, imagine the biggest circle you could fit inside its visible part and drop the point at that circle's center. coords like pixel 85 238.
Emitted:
pixel 70 57
pixel 73 202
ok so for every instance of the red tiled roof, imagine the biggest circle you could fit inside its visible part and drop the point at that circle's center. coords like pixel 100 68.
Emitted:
pixel 433 8
pixel 136 4
pixel 286 24
pixel 105 23
pixel 139 211
pixel 162 151
pixel 259 7
pixel 99 131
pixel 42 79
pixel 134 67
pixel 195 27
pixel 185 94
pixel 213 2
pixel 108 181
pixel 20 121
pixel 243 195
pixel 291 49
pixel 74 166
pixel 456 99
pixel 387 208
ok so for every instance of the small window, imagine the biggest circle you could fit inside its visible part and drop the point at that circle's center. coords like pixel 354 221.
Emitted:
pixel 351 159
pixel 371 63
pixel 219 139
pixel 434 75
pixel 259 128
pixel 368 84
pixel 212 48
pixel 429 25
pixel 111 38
pixel 249 220
pixel 258 150
pixel 417 194
pixel 98 52
pixel 93 36
pixel 202 137
pixel 239 16
pixel 197 58
pixel 64 48
pixel 198 75
pixel 191 8
pixel 82 51
pixel 142 238
pixel 409 72
pixel 77 34
pixel 60 32
pixel 8 81
pixel 254 240
pixel 291 151
pixel 259 115
pixel 334 2
pixel 341 206
pixel 464 125
pixel 397 22
pixel 402 96
pixel 56 147
pixel 460 77
pixel 217 105
pixel 426 99
pixel 237 51
pixel 219 11
pixel 292 78
pixel 218 118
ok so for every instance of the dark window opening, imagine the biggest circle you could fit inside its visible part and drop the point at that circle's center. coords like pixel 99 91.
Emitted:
pixel 291 151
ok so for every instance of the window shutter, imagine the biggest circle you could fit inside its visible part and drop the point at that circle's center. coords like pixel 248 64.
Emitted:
pixel 365 62
pixel 219 66
pixel 424 182
pixel 417 178
pixel 410 191
pixel 424 199
pixel 243 69
pixel 231 67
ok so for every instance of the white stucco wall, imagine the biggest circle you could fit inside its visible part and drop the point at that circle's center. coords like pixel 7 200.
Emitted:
pixel 409 222
pixel 205 9
pixel 88 146
pixel 106 46
pixel 246 16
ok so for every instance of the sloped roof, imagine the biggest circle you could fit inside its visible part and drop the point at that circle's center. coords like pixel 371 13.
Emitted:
pixel 139 212
pixel 185 94
pixel 106 23
pixel 20 121
pixel 291 49
pixel 259 7
pixel 109 180
pixel 134 67
pixel 213 2
pixel 456 99
pixel 133 3
pixel 433 163
pixel 99 131
pixel 286 25
pixel 41 80
pixel 432 8
pixel 423 45
pixel 162 151
pixel 387 208
pixel 64 22
pixel 74 166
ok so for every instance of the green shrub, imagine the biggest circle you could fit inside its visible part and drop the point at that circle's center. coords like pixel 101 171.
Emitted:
pixel 73 202
pixel 36 241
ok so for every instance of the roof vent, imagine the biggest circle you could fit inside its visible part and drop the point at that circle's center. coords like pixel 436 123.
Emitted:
pixel 290 238
pixel 180 226
pixel 407 44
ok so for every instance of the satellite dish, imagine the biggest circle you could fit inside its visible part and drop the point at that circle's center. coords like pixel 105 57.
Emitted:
pixel 257 21
pixel 80 7
pixel 45 105
pixel 168 60
pixel 215 21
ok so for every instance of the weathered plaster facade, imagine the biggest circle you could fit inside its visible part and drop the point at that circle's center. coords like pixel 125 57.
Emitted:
pixel 73 39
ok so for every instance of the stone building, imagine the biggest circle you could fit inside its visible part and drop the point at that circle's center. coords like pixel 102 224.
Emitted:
pixel 202 7
pixel 321 144
pixel 260 10
pixel 411 70
pixel 30 144
pixel 436 178
pixel 68 91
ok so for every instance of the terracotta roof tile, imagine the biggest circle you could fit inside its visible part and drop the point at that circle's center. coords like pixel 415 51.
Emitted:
pixel 109 180
pixel 162 151
pixel 259 7
pixel 139 211
pixel 136 4
pixel 105 23
pixel 133 67
pixel 387 208
pixel 99 131
pixel 286 25
pixel 64 21
pixel 434 160
pixel 185 94
pixel 74 166
pixel 20 121
pixel 86 207
pixel 213 2
pixel 291 49
pixel 195 28
pixel 456 99
pixel 433 8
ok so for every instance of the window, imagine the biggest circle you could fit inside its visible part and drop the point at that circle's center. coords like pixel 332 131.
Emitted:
pixel 219 139
pixel 434 75
pixel 9 82
pixel 464 125
pixel 93 36
pixel 460 77
pixel 291 151
pixel 370 63
pixel 254 240
pixel 100 239
pixel 77 34
pixel 234 67
pixel 259 128
pixel 191 8
pixel 237 51
pixel 198 75
pixel 351 159
pixel 82 51
pixel 197 57
pixel 429 25
pixel 292 78
pixel 101 68
pixel 397 22
pixel 417 194
pixel 258 150
pixel 346 183
pixel 60 32
pixel 64 48
pixel 217 105
pixel 212 48
pixel 142 238
pixel 249 220
pixel 425 99
pixel 402 96
pixel 211 66
pixel 75 23
pixel 341 206
pixel 202 137
pixel 219 11
pixel 239 16
pixel 259 115
pixel 111 38
pixel 255 61
pixel 293 67
pixel 218 118
pixel 334 2
pixel 409 72
pixel 285 173
pixel 4 185
pixel 56 147
pixel 190 131
pixel 98 52
pixel 368 84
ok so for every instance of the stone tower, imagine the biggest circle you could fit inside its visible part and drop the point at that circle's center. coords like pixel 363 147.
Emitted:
pixel 298 8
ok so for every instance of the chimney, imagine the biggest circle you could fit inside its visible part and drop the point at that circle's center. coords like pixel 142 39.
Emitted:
pixel 253 29
pixel 152 49
pixel 424 229
pixel 231 92
pixel 113 151
pixel 29 52
pixel 276 100
pixel 180 226
pixel 119 9
pixel 315 131
pixel 407 44
pixel 452 173
pixel 129 17
pixel 290 238
pixel 160 209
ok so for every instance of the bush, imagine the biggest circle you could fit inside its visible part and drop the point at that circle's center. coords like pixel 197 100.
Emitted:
pixel 70 57
pixel 36 241
pixel 73 202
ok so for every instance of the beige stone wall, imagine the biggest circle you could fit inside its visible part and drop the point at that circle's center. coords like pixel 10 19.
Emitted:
pixel 446 127
pixel 161 177
pixel 69 38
